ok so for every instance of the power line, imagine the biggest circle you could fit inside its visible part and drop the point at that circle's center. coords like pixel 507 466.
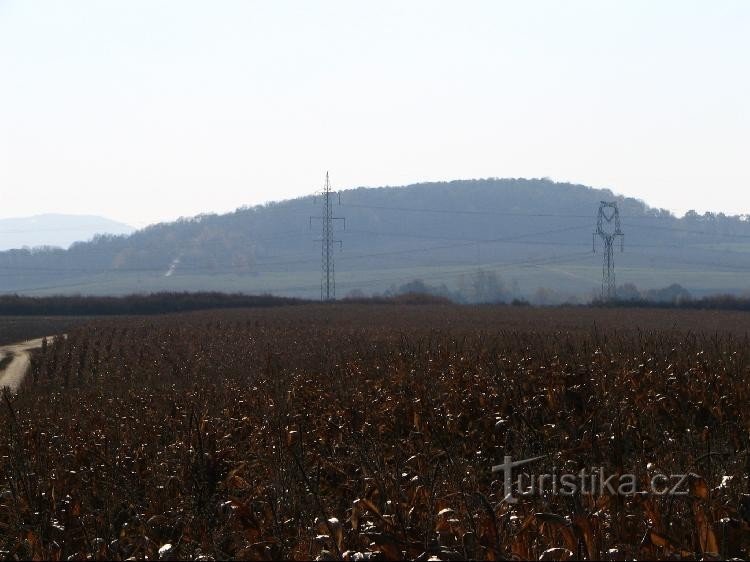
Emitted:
pixel 466 244
pixel 547 215
pixel 518 239
pixel 492 212
pixel 462 243
pixel 700 232
pixel 459 211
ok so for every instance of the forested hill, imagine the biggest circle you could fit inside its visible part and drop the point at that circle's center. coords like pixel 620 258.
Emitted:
pixel 525 234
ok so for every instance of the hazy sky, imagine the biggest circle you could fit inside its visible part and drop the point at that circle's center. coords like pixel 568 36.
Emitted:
pixel 148 110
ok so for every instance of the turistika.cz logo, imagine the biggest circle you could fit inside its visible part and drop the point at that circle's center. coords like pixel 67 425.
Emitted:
pixel 594 481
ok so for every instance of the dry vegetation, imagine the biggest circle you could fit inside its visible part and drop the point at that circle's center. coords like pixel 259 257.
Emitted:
pixel 14 329
pixel 363 432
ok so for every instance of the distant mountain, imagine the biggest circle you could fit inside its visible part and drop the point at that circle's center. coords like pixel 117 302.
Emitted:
pixel 55 230
pixel 478 238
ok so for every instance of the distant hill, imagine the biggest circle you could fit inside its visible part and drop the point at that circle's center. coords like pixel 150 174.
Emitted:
pixel 514 238
pixel 55 230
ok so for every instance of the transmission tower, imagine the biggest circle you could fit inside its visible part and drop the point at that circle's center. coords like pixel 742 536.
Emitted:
pixel 328 278
pixel 608 229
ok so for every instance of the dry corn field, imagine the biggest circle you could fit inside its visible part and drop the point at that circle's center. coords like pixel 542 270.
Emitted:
pixel 371 432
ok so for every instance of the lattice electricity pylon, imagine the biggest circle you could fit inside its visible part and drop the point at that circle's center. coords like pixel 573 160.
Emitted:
pixel 328 271
pixel 608 229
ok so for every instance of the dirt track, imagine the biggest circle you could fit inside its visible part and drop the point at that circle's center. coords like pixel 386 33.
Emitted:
pixel 14 373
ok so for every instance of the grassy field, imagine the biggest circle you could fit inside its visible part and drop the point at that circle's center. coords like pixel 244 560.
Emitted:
pixel 370 431
pixel 578 277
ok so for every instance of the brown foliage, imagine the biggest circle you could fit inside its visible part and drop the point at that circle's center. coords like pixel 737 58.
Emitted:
pixel 330 432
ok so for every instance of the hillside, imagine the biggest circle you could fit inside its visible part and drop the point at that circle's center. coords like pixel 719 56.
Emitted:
pixel 522 235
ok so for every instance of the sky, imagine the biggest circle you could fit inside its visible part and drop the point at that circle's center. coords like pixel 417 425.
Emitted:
pixel 144 111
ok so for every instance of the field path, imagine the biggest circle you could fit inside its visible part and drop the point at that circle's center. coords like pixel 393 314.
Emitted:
pixel 14 373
